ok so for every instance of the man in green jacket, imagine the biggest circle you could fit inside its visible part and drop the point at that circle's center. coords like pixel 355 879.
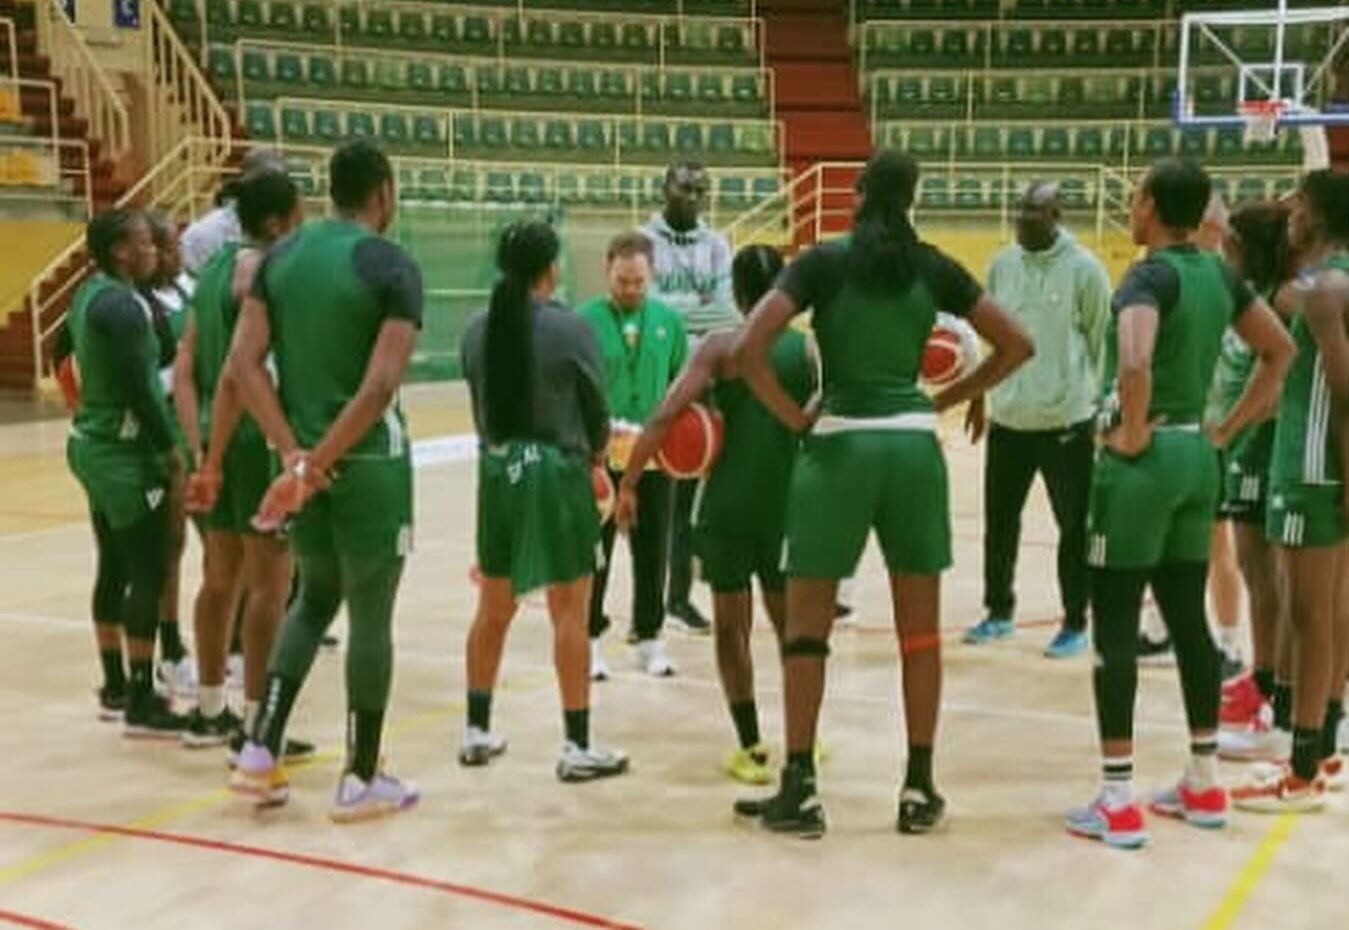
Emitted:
pixel 644 345
pixel 1041 415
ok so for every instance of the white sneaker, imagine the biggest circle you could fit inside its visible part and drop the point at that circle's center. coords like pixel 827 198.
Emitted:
pixel 178 678
pixel 599 669
pixel 234 672
pixel 1255 745
pixel 480 747
pixel 1344 737
pixel 653 659
pixel 359 800
pixel 579 764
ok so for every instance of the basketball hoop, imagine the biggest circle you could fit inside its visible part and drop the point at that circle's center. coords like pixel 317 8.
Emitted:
pixel 1261 118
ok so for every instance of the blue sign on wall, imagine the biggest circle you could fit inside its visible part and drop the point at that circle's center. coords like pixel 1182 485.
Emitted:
pixel 126 14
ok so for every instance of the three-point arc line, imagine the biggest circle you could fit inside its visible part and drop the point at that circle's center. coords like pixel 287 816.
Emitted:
pixel 556 912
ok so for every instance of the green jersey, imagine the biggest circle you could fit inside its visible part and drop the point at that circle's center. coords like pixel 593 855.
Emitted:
pixel 644 350
pixel 1196 296
pixel 329 288
pixel 121 398
pixel 871 336
pixel 215 312
pixel 1306 439
pixel 755 464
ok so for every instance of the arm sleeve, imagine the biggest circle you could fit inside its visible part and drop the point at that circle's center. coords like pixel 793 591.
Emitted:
pixel 1242 295
pixel 804 279
pixel 590 386
pixel 393 277
pixel 954 289
pixel 122 322
pixel 1150 283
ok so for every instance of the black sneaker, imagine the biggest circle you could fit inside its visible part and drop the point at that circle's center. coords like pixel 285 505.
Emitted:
pixel 1232 666
pixel 203 731
pixel 920 810
pixel 111 704
pixel 690 618
pixel 151 717
pixel 795 809
pixel 329 641
pixel 1154 652
pixel 295 750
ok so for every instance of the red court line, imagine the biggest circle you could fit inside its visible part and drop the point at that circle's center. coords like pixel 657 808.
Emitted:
pixel 323 864
pixel 22 920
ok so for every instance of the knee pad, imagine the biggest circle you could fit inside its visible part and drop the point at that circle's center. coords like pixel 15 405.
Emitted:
pixel 805 647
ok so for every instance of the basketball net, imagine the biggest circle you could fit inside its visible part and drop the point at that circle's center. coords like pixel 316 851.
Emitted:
pixel 1261 118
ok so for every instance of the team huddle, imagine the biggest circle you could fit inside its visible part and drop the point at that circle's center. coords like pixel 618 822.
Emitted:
pixel 281 432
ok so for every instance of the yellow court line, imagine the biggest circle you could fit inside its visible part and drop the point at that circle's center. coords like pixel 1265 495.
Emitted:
pixel 44 861
pixel 1252 873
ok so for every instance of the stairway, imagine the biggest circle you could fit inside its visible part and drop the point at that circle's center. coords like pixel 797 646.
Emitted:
pixel 815 87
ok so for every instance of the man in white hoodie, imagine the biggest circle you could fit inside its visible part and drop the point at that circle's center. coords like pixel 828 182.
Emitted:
pixel 692 274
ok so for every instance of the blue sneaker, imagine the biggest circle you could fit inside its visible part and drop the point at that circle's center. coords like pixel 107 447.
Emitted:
pixel 988 630
pixel 1067 644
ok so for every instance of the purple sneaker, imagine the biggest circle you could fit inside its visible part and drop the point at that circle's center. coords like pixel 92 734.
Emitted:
pixel 358 800
pixel 258 775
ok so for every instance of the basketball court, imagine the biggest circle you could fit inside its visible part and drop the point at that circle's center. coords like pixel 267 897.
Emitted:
pixel 99 832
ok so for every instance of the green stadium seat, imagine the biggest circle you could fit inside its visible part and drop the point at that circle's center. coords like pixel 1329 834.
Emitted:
pixel 1208 89
pixel 182 12
pixel 630 189
pixel 928 142
pixel 412 28
pixel 426 131
pixel 1039 92
pixel 1054 142
pixel 289 68
pixel 1086 44
pixel 1021 143
pixel 572 35
pixel 393 129
pixel 615 86
pixel 908 92
pixel 710 89
pixel 934 193
pixel 255 66
pixel 281 17
pixel 349 24
pixel 1158 142
pixel 602 35
pixel 1053 43
pixel 745 88
pixel 678 86
pixel 294 124
pixel 489 79
pixel 464 131
pixel 500 186
pixel 922 43
pixel 1194 143
pixel 1003 91
pixel 531 188
pixel 550 82
pixel 464 184
pixel 1254 43
pixel 954 44
pixel 540 33
pixel 306 183
pixel 628 138
pixel 581 83
pixel 695 36
pixel 656 137
pixel 492 132
pixel 733 192
pixel 390 75
pixel 1089 143
pixel 322 71
pixel 987 142
pixel 599 189
pixel 316 21
pixel 1284 186
pixel 721 139
pixel 249 14
pixel 1222 187
pixel 517 81
pixel 969 193
pixel 1074 194
pixel 360 126
pixel 765 189
pixel 220 66
pixel 942 89
pixel 557 134
pixel 1228 143
pixel 218 14
pixel 260 122
pixel 433 184
pixel 355 74
pixel 731 40
pixel 420 76
pixel 1250 189
pixel 477 30
pixel 443 29
pixel 379 24
pixel 569 188
pixel 511 32
pixel 636 37
pixel 1119 43
pixel 757 139
pixel 525 134
pixel 591 136
pixel 452 79
pixel 1072 92
pixel 1020 44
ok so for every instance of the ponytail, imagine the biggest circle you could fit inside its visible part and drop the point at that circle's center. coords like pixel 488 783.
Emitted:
pixel 754 270
pixel 1262 229
pixel 525 253
pixel 884 243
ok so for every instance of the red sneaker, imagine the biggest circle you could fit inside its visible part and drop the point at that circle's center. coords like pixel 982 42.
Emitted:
pixel 1333 773
pixel 1206 808
pixel 1242 704
pixel 1120 827
pixel 1276 790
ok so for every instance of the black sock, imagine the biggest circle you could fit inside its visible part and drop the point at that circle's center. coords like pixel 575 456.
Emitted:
pixel 803 762
pixel 114 676
pixel 1306 752
pixel 364 729
pixel 1330 743
pixel 1264 680
pixel 746 717
pixel 142 679
pixel 269 727
pixel 480 710
pixel 1283 706
pixel 920 769
pixel 577 726
pixel 170 643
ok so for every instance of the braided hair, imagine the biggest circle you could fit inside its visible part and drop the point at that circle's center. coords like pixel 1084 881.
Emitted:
pixel 884 251
pixel 753 272
pixel 525 253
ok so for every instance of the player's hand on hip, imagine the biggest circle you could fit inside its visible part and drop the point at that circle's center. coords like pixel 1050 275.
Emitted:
pixel 1130 442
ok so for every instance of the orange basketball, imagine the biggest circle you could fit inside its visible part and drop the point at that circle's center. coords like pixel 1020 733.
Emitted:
pixel 693 443
pixel 943 358
pixel 605 495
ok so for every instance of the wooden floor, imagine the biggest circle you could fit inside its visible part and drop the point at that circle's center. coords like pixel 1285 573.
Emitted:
pixel 99 833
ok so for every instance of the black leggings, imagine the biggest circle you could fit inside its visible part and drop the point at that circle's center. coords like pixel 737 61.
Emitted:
pixel 1117 599
pixel 131 573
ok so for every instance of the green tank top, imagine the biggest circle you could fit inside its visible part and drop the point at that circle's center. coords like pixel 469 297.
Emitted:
pixel 755 465
pixel 1189 338
pixel 103 414
pixel 871 350
pixel 215 313
pixel 324 322
pixel 1306 442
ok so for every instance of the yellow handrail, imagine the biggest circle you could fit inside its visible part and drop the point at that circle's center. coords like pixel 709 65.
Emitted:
pixel 97 101
pixel 184 100
pixel 11 46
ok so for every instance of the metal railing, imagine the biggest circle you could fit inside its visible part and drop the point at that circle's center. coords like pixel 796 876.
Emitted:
pixel 46 173
pixel 96 100
pixel 183 99
pixel 9 46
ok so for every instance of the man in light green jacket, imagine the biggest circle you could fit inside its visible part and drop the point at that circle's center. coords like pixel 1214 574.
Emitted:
pixel 1041 416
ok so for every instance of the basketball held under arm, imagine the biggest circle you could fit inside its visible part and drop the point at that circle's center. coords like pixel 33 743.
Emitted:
pixel 751 358
pixel 1260 329
pixel 1012 348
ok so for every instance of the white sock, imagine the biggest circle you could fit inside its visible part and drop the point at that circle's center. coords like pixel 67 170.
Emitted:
pixel 211 699
pixel 250 715
pixel 1202 771
pixel 1119 781
pixel 1229 640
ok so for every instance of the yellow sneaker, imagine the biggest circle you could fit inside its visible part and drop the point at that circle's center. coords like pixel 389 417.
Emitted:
pixel 750 766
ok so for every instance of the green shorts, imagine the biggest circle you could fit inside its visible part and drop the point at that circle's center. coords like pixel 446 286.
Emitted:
pixel 728 557
pixel 1156 508
pixel 124 483
pixel 365 513
pixel 1304 516
pixel 248 469
pixel 846 484
pixel 1245 481
pixel 537 521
